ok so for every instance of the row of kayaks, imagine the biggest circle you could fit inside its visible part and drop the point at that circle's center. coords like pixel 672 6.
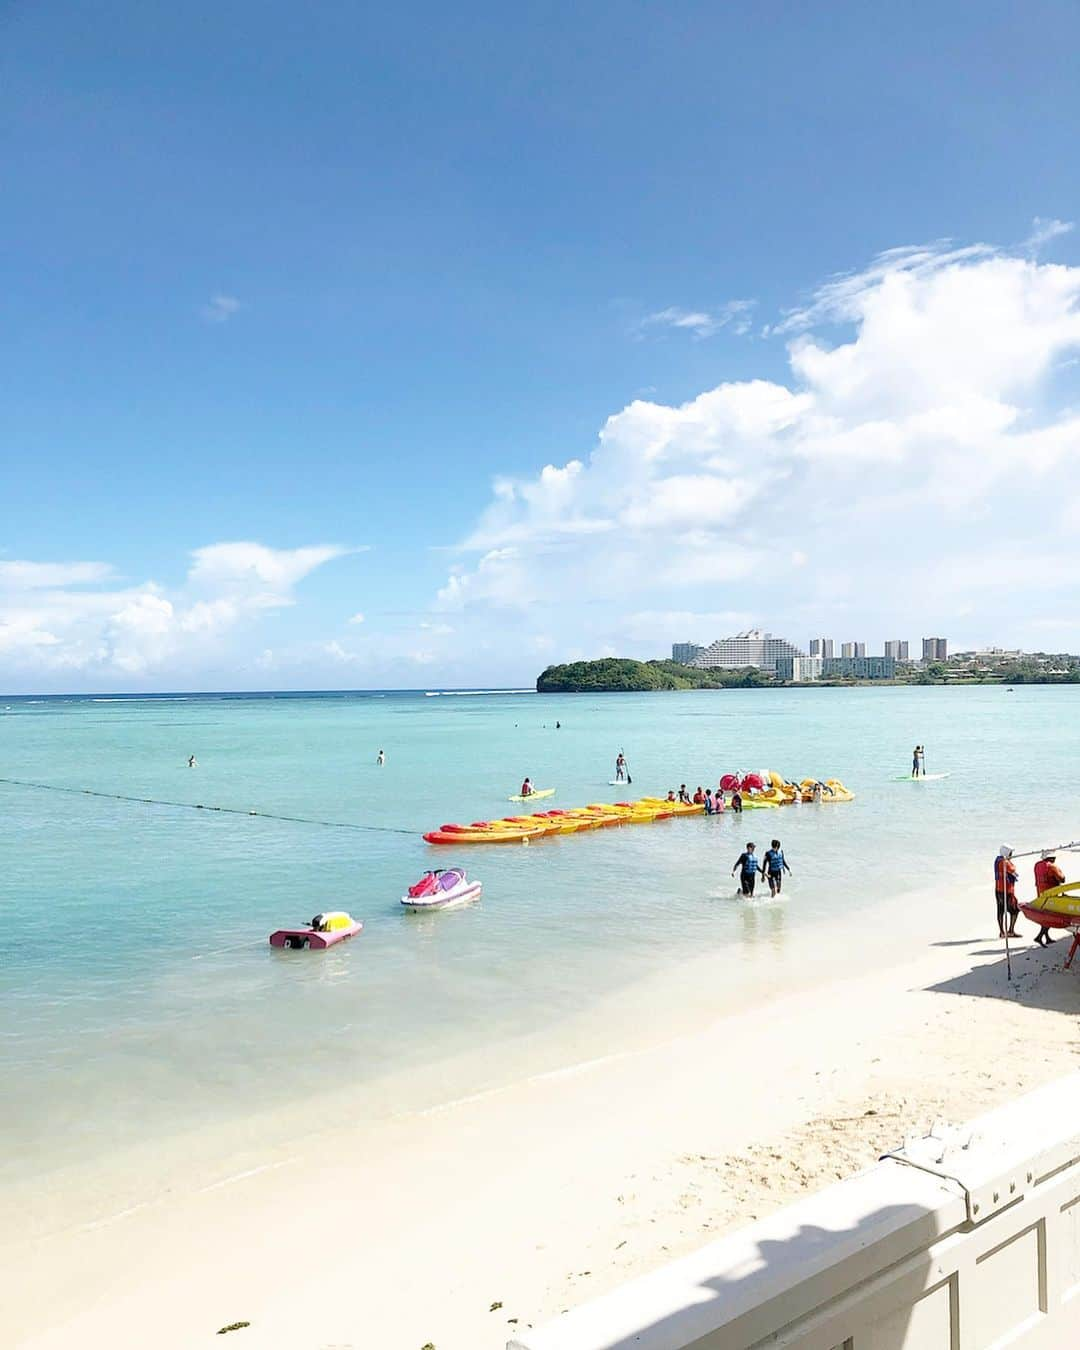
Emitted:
pixel 643 811
pixel 539 825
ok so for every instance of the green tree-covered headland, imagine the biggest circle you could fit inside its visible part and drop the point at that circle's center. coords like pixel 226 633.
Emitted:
pixel 615 675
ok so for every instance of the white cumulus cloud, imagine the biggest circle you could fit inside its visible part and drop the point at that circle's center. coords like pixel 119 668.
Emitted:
pixel 61 616
pixel 928 404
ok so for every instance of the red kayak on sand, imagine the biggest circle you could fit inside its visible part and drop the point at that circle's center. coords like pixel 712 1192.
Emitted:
pixel 1049 918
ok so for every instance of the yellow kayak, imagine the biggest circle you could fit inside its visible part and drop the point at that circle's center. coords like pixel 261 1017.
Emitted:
pixel 1063 899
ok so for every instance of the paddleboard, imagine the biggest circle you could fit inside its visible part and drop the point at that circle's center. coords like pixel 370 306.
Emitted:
pixel 922 778
pixel 540 792
pixel 618 782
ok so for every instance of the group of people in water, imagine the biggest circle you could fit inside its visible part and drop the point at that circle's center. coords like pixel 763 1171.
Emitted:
pixel 772 866
pixel 1047 875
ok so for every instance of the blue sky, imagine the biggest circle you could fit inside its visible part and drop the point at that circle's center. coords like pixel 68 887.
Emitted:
pixel 299 304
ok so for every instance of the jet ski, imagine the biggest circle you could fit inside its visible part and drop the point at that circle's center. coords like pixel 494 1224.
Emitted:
pixel 441 888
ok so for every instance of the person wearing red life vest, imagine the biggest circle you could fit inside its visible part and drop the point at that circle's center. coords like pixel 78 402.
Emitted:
pixel 1005 878
pixel 1047 875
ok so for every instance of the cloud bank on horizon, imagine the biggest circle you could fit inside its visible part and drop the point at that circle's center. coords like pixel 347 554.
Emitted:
pixel 914 470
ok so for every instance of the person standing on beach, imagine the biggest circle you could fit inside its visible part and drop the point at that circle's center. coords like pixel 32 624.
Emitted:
pixel 747 867
pixel 1047 875
pixel 1005 877
pixel 775 867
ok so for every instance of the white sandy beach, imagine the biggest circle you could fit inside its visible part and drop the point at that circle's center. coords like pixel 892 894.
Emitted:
pixel 454 1226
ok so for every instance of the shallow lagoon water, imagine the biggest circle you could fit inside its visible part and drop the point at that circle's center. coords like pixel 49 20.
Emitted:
pixel 138 996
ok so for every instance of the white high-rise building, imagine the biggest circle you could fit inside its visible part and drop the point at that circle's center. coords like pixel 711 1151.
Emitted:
pixel 847 649
pixel 752 648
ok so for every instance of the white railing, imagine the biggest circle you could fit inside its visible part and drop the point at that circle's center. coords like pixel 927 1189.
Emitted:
pixel 968 1239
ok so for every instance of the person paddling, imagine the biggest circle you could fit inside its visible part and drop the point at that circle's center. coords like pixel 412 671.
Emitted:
pixel 620 768
pixel 775 867
pixel 1047 875
pixel 747 867
pixel 1005 877
pixel 526 788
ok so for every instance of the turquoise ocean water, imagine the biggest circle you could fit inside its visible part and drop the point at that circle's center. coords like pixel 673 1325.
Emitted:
pixel 138 996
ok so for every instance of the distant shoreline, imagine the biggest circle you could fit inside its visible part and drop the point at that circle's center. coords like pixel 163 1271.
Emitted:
pixel 623 675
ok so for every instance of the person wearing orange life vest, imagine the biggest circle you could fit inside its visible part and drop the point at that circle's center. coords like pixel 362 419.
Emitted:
pixel 1005 878
pixel 1047 875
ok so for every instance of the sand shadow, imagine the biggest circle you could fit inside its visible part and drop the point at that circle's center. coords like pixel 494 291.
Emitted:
pixel 732 1316
pixel 1039 979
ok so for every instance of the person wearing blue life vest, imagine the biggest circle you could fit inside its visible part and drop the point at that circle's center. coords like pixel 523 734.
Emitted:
pixel 747 867
pixel 775 867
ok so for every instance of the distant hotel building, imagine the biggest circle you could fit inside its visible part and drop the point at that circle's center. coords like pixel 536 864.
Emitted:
pixel 897 650
pixel 821 646
pixel 935 649
pixel 752 648
pixel 686 653
pixel 802 669
pixel 799 669
pixel 853 649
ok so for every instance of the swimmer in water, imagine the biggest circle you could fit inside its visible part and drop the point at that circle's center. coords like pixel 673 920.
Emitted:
pixel 191 763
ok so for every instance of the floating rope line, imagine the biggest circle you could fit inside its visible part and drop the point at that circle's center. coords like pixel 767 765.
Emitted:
pixel 198 806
